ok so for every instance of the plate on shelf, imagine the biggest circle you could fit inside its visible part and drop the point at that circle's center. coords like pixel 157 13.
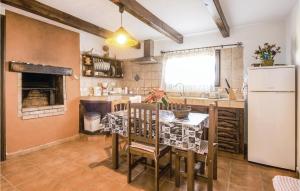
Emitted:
pixel 113 71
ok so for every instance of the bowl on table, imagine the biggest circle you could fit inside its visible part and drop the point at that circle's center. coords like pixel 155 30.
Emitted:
pixel 182 113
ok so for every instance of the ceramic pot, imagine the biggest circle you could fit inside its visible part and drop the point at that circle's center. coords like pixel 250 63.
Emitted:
pixel 267 62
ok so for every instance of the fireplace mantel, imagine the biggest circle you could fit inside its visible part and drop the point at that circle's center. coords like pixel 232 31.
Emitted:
pixel 39 69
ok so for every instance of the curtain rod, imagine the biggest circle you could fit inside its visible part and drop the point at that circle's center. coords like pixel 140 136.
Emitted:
pixel 218 46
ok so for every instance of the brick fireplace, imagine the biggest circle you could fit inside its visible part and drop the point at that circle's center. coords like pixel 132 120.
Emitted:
pixel 42 90
pixel 41 95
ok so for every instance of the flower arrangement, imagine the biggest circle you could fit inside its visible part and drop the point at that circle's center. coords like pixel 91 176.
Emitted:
pixel 267 53
pixel 157 96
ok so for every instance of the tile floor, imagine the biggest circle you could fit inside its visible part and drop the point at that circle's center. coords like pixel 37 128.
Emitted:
pixel 85 165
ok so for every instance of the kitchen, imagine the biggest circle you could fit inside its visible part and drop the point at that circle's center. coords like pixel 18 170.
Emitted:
pixel 72 121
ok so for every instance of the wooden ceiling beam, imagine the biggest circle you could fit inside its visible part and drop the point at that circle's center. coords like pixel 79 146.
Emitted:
pixel 51 13
pixel 216 12
pixel 144 15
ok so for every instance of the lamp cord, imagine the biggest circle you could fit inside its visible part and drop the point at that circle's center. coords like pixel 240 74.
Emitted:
pixel 121 19
pixel 121 10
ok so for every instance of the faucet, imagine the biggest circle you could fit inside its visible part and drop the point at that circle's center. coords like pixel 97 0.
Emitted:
pixel 181 93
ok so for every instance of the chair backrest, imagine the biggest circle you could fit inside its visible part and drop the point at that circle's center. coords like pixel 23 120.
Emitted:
pixel 135 99
pixel 141 124
pixel 119 105
pixel 174 104
pixel 212 131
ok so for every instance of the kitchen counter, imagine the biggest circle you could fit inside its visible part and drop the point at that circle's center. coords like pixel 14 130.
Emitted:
pixel 239 103
pixel 103 98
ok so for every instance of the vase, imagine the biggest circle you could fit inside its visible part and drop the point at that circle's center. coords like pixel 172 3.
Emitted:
pixel 269 62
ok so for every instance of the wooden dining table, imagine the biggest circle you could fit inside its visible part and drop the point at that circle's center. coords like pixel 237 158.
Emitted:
pixel 184 134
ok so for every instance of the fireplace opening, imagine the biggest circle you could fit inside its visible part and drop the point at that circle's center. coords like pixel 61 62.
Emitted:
pixel 40 90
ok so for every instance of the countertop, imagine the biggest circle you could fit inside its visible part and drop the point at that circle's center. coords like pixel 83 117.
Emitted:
pixel 239 103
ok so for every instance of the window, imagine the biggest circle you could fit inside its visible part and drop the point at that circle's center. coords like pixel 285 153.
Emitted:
pixel 197 70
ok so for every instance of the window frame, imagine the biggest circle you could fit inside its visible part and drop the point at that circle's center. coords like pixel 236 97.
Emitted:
pixel 218 68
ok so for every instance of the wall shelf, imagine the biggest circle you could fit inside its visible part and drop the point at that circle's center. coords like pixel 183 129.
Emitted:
pixel 93 66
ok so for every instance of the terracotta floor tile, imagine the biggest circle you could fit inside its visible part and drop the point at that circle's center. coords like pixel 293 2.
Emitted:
pixel 233 187
pixel 43 182
pixel 85 165
pixel 14 166
pixel 24 175
pixel 64 171
pixel 170 186
pixel 244 178
pixel 55 162
pixel 5 185
pixel 220 185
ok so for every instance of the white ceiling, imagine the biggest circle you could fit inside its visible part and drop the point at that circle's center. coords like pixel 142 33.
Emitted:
pixel 186 16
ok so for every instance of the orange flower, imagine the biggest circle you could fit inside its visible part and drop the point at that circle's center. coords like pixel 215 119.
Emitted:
pixel 157 95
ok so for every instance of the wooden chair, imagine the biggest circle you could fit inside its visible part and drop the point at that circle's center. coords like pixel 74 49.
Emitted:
pixel 143 138
pixel 121 105
pixel 209 148
pixel 174 104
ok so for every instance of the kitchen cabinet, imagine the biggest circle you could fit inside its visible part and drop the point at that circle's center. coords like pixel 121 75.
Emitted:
pixel 94 106
pixel 230 128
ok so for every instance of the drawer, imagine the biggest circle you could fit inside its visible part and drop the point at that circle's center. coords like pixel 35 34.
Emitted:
pixel 228 123
pixel 224 135
pixel 228 114
pixel 229 147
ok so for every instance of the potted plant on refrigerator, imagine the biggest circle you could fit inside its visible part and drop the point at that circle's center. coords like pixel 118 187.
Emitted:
pixel 267 53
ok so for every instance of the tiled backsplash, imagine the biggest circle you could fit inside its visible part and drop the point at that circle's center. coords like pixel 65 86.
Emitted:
pixel 232 67
pixel 150 74
pixel 87 83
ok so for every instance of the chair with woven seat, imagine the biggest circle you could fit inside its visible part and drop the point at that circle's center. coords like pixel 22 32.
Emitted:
pixel 143 138
pixel 206 155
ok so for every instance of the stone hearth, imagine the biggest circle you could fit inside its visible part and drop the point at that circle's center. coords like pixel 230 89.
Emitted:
pixel 36 104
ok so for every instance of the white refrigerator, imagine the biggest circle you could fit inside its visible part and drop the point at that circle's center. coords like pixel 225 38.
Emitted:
pixel 272 116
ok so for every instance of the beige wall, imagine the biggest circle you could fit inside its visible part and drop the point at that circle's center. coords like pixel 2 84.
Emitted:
pixel 33 41
pixel 232 67
pixel 150 75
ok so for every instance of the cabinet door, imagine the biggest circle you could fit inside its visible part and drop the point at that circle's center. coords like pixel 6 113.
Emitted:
pixel 229 130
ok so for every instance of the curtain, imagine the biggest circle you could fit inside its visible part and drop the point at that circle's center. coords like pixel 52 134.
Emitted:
pixel 195 70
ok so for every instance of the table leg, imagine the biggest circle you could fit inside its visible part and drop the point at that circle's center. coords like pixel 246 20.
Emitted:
pixel 115 150
pixel 190 170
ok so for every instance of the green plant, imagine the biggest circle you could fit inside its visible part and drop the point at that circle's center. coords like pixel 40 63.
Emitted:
pixel 267 52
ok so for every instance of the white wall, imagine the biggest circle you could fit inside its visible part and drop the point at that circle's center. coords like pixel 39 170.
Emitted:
pixel 293 56
pixel 251 36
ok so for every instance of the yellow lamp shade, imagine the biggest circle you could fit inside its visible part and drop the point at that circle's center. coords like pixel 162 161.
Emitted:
pixel 121 38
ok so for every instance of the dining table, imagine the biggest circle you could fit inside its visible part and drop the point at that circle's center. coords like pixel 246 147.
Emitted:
pixel 185 134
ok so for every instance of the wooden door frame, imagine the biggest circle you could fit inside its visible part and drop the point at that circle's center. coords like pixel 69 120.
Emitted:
pixel 2 90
